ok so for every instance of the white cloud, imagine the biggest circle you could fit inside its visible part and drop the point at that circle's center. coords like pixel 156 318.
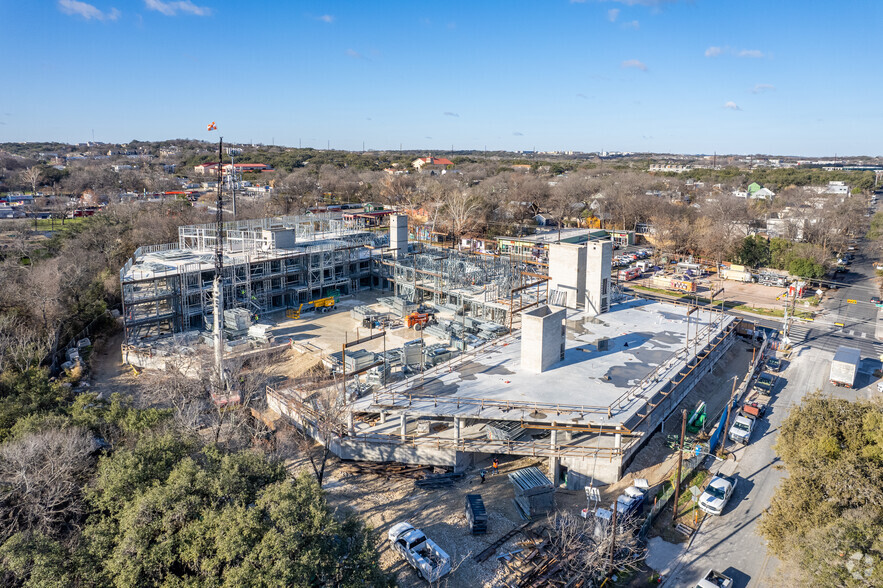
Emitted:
pixel 87 11
pixel 632 24
pixel 732 105
pixel 454 114
pixel 634 63
pixel 761 88
pixel 518 134
pixel 354 54
pixel 650 3
pixel 715 51
pixel 583 96
pixel 173 8
pixel 613 14
pixel 326 18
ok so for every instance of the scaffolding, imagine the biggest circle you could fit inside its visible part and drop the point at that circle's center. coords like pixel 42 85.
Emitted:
pixel 269 264
pixel 478 285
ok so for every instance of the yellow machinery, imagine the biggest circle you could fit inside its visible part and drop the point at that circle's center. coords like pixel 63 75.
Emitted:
pixel 320 305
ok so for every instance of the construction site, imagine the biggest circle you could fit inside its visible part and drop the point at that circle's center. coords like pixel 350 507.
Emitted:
pixel 443 358
pixel 433 358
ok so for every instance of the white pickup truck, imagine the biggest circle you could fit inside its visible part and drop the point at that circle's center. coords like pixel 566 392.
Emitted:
pixel 421 552
pixel 717 493
pixel 715 579
pixel 740 430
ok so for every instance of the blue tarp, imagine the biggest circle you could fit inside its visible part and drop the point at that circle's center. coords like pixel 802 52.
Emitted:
pixel 715 437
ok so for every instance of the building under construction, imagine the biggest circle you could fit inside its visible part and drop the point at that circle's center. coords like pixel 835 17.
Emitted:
pixel 269 264
pixel 583 377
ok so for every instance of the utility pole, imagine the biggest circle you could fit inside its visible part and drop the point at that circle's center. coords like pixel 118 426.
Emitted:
pixel 689 312
pixel 674 510
pixel 729 414
pixel 790 309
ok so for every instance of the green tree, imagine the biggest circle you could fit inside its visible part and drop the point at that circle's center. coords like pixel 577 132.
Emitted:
pixel 826 517
pixel 167 514
pixel 32 560
pixel 754 251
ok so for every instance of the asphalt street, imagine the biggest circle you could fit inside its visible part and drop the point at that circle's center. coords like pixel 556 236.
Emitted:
pixel 729 543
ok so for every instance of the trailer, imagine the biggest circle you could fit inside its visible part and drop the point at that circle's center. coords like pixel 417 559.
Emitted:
pixel 844 366
pixel 738 273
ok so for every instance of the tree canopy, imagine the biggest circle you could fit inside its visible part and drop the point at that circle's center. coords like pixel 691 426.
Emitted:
pixel 826 518
pixel 167 512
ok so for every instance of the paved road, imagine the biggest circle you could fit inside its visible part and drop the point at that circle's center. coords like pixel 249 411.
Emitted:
pixel 730 543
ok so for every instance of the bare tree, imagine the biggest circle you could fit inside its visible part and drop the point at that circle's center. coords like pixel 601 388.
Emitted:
pixel 22 347
pixel 41 476
pixel 32 176
pixel 320 411
pixel 586 550
pixel 463 210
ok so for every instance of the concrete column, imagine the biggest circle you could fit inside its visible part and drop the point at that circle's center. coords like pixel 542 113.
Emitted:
pixel 403 426
pixel 382 417
pixel 350 422
pixel 617 441
pixel 456 428
pixel 554 461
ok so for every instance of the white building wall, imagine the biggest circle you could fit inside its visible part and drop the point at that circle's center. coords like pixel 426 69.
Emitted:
pixel 542 338
pixel 398 234
pixel 567 272
pixel 599 260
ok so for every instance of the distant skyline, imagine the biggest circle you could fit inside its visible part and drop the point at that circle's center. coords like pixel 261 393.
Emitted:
pixel 693 76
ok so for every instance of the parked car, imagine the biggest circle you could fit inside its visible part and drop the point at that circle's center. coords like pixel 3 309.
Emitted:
pixel 717 493
pixel 875 300
pixel 774 363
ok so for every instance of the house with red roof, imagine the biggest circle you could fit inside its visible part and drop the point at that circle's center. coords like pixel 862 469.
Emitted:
pixel 431 163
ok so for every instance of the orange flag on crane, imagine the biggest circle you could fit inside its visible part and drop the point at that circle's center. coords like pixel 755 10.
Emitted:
pixel 212 126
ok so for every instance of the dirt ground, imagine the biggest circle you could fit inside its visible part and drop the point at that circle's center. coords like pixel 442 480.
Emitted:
pixel 749 294
pixel 329 331
pixel 107 372
pixel 381 502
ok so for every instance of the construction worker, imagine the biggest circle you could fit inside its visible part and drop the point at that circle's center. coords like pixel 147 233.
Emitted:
pixel 482 473
pixel 496 465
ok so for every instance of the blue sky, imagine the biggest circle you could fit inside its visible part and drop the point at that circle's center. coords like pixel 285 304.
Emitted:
pixel 698 76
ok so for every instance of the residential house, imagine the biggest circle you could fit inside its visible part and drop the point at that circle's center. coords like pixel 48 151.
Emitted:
pixel 544 219
pixel 756 192
pixel 839 188
pixel 206 168
pixel 431 163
